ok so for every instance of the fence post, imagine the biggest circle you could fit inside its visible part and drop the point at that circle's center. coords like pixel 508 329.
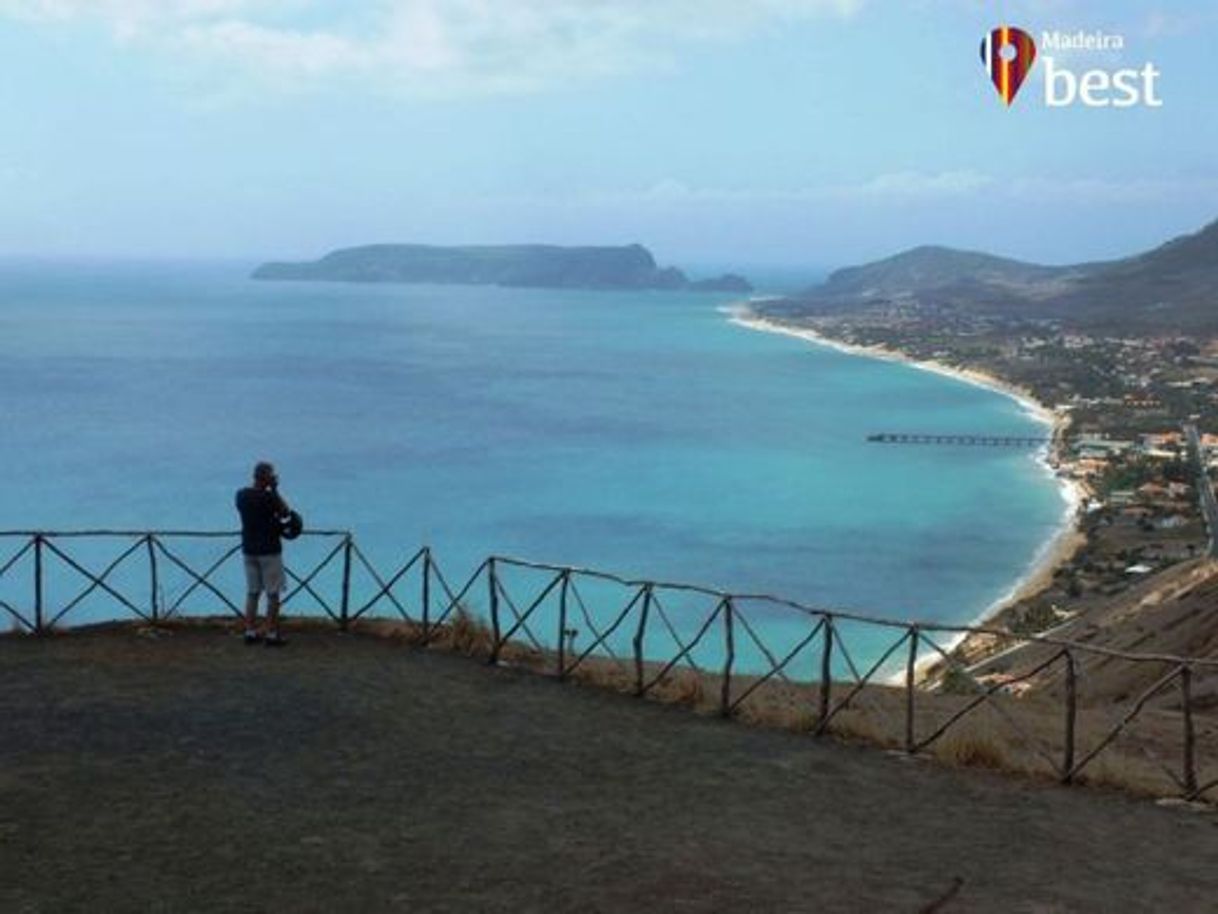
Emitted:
pixel 1071 714
pixel 426 594
pixel 345 611
pixel 725 699
pixel 910 672
pixel 826 675
pixel 492 585
pixel 1190 736
pixel 38 596
pixel 562 625
pixel 638 639
pixel 152 574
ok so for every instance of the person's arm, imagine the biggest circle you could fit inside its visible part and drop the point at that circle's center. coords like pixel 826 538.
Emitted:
pixel 281 506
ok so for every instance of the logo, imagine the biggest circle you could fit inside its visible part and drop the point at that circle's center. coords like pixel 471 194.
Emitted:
pixel 1008 54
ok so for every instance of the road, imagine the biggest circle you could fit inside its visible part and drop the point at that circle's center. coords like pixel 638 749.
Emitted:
pixel 1205 491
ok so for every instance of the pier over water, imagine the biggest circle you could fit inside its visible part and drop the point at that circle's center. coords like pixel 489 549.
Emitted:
pixel 972 440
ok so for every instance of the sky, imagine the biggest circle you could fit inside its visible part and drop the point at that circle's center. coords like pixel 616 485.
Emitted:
pixel 803 133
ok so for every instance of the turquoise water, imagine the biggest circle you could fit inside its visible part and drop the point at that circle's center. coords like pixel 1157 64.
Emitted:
pixel 637 432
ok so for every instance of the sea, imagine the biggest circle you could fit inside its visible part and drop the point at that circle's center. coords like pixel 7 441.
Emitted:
pixel 639 433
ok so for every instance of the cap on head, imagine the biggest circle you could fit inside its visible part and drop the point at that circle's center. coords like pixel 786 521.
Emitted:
pixel 264 471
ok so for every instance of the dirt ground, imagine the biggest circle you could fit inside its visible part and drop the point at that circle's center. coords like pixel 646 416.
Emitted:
pixel 187 772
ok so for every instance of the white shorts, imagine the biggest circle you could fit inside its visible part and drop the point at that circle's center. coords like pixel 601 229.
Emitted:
pixel 264 573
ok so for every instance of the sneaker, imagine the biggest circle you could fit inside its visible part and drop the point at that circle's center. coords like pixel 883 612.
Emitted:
pixel 274 639
pixel 252 636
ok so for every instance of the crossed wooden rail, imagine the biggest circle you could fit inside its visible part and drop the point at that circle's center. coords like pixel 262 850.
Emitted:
pixel 728 617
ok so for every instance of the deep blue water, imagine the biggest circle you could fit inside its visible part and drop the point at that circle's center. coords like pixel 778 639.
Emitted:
pixel 637 432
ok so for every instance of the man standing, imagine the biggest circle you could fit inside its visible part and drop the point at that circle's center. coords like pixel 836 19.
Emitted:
pixel 262 510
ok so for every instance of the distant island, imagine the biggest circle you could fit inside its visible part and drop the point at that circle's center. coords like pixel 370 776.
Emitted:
pixel 539 266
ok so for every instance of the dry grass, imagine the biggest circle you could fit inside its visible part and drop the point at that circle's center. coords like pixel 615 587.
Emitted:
pixel 867 726
pixel 603 674
pixel 465 634
pixel 523 655
pixel 1211 794
pixel 405 632
pixel 777 708
pixel 1128 773
pixel 680 687
pixel 976 742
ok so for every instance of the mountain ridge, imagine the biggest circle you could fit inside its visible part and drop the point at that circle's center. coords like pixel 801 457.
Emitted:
pixel 1174 284
pixel 930 265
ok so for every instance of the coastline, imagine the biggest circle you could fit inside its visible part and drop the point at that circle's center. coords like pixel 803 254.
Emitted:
pixel 1059 548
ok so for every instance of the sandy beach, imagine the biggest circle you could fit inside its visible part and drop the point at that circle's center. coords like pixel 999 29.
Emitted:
pixel 1065 541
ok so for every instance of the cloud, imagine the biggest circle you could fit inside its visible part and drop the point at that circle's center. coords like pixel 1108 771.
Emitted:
pixel 1052 191
pixel 899 188
pixel 1175 23
pixel 125 18
pixel 428 46
pixel 902 189
pixel 891 186
pixel 906 184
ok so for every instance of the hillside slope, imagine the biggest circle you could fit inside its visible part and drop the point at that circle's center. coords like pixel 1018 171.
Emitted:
pixel 1172 613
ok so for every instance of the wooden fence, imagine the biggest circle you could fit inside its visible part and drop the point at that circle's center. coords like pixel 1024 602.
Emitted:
pixel 624 631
